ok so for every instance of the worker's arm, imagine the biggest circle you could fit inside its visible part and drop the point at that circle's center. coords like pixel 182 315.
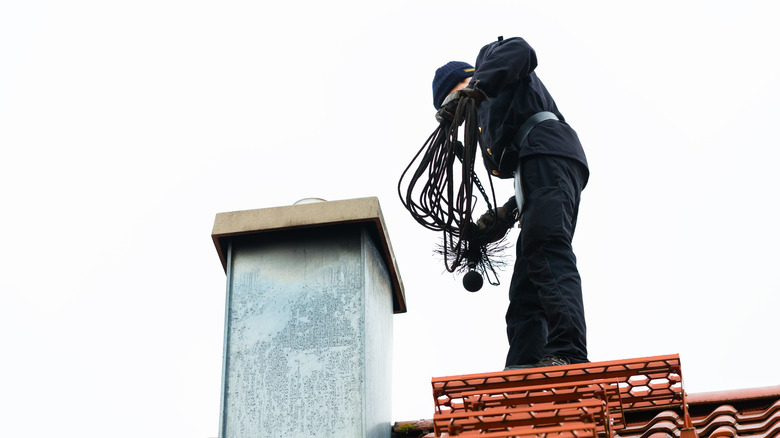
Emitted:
pixel 502 63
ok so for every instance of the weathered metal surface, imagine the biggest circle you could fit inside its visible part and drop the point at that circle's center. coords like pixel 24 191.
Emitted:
pixel 308 336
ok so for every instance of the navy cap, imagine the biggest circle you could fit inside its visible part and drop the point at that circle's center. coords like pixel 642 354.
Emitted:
pixel 447 77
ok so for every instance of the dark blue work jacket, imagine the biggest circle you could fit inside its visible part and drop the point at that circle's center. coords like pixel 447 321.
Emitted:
pixel 505 71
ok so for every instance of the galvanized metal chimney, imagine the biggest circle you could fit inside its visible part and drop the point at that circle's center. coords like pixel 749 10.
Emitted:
pixel 311 291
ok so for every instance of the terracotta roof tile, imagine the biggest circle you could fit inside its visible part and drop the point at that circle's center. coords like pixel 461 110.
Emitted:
pixel 745 413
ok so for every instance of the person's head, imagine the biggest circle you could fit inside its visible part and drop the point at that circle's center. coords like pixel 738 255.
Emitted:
pixel 450 77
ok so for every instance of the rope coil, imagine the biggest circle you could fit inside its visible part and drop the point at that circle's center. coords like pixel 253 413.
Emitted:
pixel 441 198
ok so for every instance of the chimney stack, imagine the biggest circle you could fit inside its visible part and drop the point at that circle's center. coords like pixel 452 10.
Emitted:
pixel 311 291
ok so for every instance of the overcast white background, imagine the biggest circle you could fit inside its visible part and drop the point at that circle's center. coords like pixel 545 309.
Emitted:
pixel 125 126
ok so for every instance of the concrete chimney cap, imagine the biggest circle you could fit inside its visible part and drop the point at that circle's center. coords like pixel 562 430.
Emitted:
pixel 308 215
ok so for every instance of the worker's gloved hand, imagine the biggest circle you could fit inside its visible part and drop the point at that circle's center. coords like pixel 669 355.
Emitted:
pixel 451 102
pixel 475 93
pixel 447 110
pixel 493 225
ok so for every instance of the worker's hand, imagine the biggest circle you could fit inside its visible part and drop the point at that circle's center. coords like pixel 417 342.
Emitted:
pixel 447 110
pixel 451 102
pixel 478 95
pixel 493 225
pixel 501 215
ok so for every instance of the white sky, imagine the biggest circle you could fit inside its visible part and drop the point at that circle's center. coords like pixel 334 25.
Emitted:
pixel 126 126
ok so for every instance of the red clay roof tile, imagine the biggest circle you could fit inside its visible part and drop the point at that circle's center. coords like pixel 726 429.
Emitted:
pixel 753 412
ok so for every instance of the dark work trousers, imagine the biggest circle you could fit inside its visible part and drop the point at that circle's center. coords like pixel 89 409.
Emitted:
pixel 545 315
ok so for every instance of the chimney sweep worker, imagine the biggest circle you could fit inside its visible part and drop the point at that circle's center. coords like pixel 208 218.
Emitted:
pixel 525 137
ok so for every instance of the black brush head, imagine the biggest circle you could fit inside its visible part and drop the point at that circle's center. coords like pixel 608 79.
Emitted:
pixel 472 281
